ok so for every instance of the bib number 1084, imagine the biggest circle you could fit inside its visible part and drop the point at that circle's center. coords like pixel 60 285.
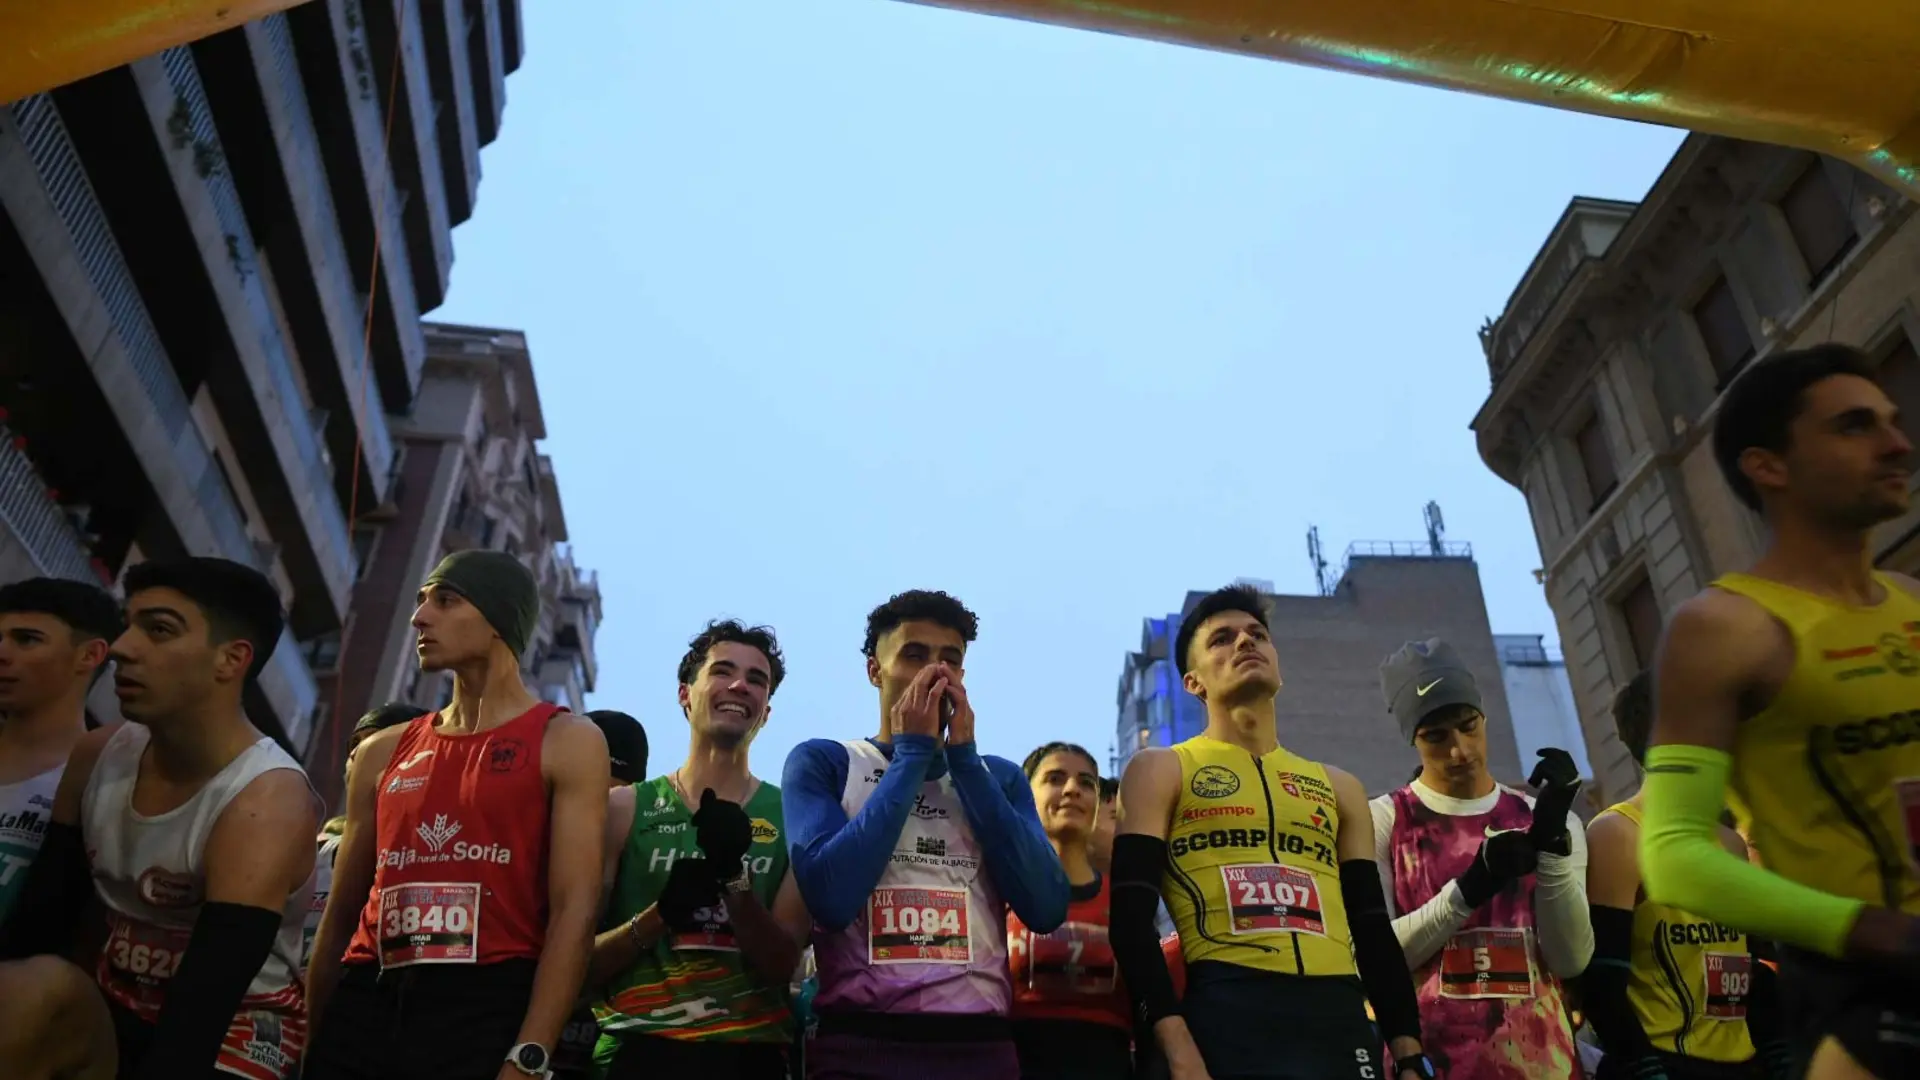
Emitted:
pixel 918 926
pixel 918 920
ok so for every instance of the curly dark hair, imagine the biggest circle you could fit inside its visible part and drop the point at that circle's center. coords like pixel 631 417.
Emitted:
pixel 920 605
pixel 725 630
pixel 1232 598
pixel 1039 755
pixel 1633 714
pixel 1758 410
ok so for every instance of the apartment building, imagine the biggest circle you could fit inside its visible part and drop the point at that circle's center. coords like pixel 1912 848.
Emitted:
pixel 1609 359
pixel 186 259
pixel 469 474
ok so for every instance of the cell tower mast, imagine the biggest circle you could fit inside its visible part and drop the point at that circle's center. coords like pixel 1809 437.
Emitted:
pixel 1319 561
pixel 1436 529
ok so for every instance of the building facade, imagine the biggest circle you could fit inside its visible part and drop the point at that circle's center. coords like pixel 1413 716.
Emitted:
pixel 186 265
pixel 470 475
pixel 1609 359
pixel 1330 707
pixel 1541 699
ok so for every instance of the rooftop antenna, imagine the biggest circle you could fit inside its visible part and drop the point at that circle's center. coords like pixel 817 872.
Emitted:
pixel 1436 528
pixel 1319 561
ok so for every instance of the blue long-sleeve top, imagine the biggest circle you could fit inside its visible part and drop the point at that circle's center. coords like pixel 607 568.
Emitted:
pixel 838 861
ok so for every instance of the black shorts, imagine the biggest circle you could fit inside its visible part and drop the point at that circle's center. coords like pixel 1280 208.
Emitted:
pixel 649 1057
pixel 1072 1050
pixel 446 1021
pixel 1259 1025
pixel 1875 1016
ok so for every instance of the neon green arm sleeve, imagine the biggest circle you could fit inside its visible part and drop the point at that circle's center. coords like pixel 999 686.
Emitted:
pixel 1683 864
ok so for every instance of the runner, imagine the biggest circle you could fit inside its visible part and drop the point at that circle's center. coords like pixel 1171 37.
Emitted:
pixel 626 746
pixel 392 714
pixel 1071 1016
pixel 1106 820
pixel 54 637
pixel 906 847
pixel 1270 878
pixel 1491 939
pixel 1671 995
pixel 468 878
pixel 193 829
pixel 706 922
pixel 1796 682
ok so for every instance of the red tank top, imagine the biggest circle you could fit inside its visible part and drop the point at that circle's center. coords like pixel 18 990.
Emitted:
pixel 461 826
pixel 1069 974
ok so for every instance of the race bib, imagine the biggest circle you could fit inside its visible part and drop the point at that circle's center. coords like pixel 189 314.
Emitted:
pixel 918 926
pixel 1075 959
pixel 1487 963
pixel 138 961
pixel 429 923
pixel 1908 791
pixel 1729 978
pixel 713 932
pixel 1264 897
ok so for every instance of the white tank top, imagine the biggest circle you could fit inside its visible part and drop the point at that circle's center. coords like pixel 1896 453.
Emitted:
pixel 150 873
pixel 25 809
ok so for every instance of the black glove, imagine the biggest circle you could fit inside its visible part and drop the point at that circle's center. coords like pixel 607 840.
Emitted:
pixel 691 890
pixel 1616 1067
pixel 1504 857
pixel 1557 779
pixel 724 832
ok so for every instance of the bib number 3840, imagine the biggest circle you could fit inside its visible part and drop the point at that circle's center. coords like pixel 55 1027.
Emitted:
pixel 918 926
pixel 1265 897
pixel 429 923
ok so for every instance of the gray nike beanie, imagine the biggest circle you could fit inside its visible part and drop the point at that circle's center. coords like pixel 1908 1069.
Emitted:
pixel 1422 677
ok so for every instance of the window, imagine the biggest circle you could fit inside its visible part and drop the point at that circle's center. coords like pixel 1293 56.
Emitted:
pixel 1821 226
pixel 1596 460
pixel 1900 378
pixel 1640 610
pixel 1723 330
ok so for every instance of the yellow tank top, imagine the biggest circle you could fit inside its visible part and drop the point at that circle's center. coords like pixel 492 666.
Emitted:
pixel 1826 779
pixel 1689 980
pixel 1253 876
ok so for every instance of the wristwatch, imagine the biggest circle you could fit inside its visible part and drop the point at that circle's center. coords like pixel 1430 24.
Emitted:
pixel 1417 1064
pixel 743 883
pixel 530 1058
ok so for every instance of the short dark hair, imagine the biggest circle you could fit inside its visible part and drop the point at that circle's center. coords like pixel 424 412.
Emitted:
pixel 1758 410
pixel 1040 754
pixel 720 631
pixel 392 714
pixel 1109 788
pixel 920 605
pixel 1232 598
pixel 239 603
pixel 88 610
pixel 1633 714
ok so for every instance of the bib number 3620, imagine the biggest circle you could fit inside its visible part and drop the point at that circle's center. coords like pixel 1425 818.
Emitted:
pixel 918 926
pixel 137 962
pixel 1265 897
pixel 429 923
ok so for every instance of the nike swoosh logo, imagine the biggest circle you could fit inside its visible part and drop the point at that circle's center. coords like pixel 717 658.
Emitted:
pixel 1422 692
pixel 1491 831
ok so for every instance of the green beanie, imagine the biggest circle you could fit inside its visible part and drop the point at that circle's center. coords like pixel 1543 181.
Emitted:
pixel 497 584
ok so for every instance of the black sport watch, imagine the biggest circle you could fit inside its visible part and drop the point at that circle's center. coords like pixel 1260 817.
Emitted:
pixel 529 1058
pixel 1417 1064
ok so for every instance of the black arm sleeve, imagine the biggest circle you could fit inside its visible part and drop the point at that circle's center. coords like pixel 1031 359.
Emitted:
pixel 46 914
pixel 1765 1022
pixel 1604 986
pixel 1139 862
pixel 1376 951
pixel 230 942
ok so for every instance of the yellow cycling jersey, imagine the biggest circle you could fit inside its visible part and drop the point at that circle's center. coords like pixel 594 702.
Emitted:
pixel 1253 875
pixel 1689 980
pixel 1826 779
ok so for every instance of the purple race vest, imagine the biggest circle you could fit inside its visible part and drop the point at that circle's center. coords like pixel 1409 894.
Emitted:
pixel 1489 1009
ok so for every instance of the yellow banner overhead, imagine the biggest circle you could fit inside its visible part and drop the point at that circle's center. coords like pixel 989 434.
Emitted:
pixel 48 43
pixel 1840 76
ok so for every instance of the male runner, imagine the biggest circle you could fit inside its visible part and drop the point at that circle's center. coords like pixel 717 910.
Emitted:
pixel 195 832
pixel 1106 820
pixel 626 746
pixel 706 923
pixel 468 878
pixel 1671 995
pixel 1491 940
pixel 908 848
pixel 1266 862
pixel 54 636
pixel 1797 681
pixel 392 714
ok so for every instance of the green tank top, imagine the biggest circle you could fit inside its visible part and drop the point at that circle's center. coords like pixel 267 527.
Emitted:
pixel 693 986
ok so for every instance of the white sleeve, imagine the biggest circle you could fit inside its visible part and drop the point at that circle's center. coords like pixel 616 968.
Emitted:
pixel 1560 906
pixel 1424 930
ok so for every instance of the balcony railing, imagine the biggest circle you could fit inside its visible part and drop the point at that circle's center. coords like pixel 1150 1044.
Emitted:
pixel 57 549
pixel 1530 656
pixel 1398 549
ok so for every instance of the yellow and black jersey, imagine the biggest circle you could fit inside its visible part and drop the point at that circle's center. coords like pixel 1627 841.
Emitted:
pixel 1826 779
pixel 1253 875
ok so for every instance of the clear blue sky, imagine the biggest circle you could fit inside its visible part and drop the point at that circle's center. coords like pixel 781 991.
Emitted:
pixel 837 298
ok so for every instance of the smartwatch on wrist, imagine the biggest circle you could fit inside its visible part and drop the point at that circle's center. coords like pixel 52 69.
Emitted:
pixel 530 1058
pixel 1417 1064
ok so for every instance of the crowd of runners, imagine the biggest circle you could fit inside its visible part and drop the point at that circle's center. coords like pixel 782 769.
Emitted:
pixel 508 893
